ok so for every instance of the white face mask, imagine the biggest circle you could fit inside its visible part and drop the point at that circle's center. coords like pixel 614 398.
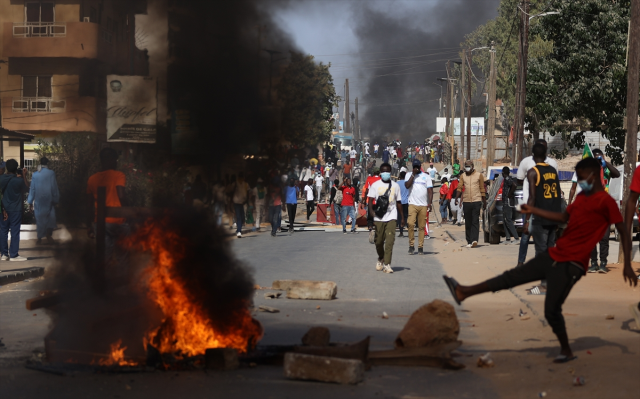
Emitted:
pixel 467 168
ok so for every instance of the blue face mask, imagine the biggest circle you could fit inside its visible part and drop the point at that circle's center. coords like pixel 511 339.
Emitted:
pixel 585 185
pixel 386 176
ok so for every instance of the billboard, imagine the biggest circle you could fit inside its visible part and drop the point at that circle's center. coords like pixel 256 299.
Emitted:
pixel 131 109
pixel 477 126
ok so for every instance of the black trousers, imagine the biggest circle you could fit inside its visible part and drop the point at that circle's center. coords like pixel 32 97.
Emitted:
pixel 604 249
pixel 405 211
pixel 310 208
pixel 471 220
pixel 291 210
pixel 560 276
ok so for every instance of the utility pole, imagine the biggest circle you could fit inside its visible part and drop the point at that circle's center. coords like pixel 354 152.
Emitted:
pixel 469 105
pixel 633 89
pixel 347 114
pixel 521 90
pixel 357 126
pixel 452 121
pixel 446 103
pixel 463 72
pixel 492 110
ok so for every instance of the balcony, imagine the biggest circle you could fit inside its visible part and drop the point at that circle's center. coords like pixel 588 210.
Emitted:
pixel 55 39
pixel 77 114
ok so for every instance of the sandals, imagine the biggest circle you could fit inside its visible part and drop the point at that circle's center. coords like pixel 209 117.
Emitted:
pixel 452 284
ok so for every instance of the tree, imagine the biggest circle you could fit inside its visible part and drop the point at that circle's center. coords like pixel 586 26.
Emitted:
pixel 307 95
pixel 582 84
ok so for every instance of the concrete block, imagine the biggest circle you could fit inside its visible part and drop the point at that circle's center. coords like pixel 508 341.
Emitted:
pixel 298 366
pixel 221 359
pixel 307 289
pixel 317 336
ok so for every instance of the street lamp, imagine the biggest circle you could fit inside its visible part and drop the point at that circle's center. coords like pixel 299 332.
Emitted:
pixel 543 14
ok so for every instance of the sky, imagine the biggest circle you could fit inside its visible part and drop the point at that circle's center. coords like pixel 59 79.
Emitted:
pixel 391 52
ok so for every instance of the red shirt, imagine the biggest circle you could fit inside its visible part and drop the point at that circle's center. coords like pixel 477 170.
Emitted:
pixel 348 195
pixel 635 181
pixel 589 217
pixel 367 185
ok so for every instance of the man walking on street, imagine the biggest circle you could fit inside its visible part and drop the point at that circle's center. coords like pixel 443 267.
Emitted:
pixel 365 194
pixel 12 186
pixel 44 192
pixel 310 195
pixel 420 188
pixel 319 180
pixel 276 207
pixel 259 194
pixel 292 203
pixel 387 197
pixel 474 200
pixel 404 193
pixel 335 201
pixel 352 156
pixel 508 203
pixel 240 193
pixel 348 205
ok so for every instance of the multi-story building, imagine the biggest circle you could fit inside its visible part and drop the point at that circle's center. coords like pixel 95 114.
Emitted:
pixel 54 59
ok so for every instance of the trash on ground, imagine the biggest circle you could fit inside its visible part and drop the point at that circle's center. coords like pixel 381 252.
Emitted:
pixel 485 361
pixel 385 315
pixel 272 295
pixel 609 317
pixel 522 313
pixel 542 394
pixel 268 309
pixel 523 318
pixel 578 381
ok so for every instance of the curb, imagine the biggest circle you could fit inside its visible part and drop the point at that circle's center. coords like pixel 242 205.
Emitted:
pixel 13 276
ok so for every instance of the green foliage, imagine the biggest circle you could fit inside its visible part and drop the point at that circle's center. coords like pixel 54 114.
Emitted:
pixel 307 95
pixel 582 84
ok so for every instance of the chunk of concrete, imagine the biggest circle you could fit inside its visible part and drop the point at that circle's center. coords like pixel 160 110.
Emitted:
pixel 221 359
pixel 317 336
pixel 298 366
pixel 432 324
pixel 307 289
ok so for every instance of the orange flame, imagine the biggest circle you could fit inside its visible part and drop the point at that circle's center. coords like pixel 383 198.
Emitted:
pixel 117 356
pixel 186 328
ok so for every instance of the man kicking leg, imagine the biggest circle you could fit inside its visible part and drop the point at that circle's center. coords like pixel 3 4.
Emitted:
pixel 593 211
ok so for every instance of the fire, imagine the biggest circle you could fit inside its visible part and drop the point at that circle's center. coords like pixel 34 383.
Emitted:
pixel 117 356
pixel 186 328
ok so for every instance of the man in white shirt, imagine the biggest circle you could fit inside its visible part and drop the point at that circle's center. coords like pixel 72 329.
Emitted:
pixel 319 180
pixel 352 156
pixel 432 171
pixel 525 165
pixel 420 188
pixel 308 191
pixel 376 146
pixel 445 174
pixel 385 220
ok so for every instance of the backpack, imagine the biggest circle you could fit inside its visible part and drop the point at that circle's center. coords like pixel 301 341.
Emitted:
pixel 382 203
pixel 338 198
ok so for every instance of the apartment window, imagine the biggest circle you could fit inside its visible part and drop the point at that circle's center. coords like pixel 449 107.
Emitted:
pixel 39 13
pixel 36 96
pixel 93 14
pixel 39 21
pixel 36 86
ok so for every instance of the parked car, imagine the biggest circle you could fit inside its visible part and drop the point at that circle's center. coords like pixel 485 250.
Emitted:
pixel 492 221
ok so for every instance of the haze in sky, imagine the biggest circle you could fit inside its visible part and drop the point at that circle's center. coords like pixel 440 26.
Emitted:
pixel 392 52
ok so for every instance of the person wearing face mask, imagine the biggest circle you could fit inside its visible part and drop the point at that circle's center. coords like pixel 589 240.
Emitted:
pixel 607 173
pixel 472 182
pixel 587 219
pixel 385 193
pixel 420 188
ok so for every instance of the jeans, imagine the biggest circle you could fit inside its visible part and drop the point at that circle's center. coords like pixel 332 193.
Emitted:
pixel 417 214
pixel 544 237
pixel 405 213
pixel 604 249
pixel 471 220
pixel 384 240
pixel 291 211
pixel 507 218
pixel 337 213
pixel 443 209
pixel 310 207
pixel 560 276
pixel 12 223
pixel 275 216
pixel 351 211
pixel 524 245
pixel 239 208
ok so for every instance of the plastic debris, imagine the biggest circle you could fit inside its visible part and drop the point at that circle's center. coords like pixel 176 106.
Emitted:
pixel 578 381
pixel 385 315
pixel 485 361
pixel 542 394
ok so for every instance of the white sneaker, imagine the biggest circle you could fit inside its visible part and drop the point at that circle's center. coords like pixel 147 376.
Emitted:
pixel 18 259
pixel 4 257
pixel 387 269
pixel 468 246
pixel 239 234
pixel 379 265
pixel 474 244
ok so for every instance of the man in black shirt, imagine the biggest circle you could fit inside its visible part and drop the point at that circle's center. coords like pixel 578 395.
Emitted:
pixel 508 202
pixel 12 185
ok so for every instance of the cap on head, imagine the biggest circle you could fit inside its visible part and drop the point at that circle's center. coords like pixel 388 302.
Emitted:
pixel 416 163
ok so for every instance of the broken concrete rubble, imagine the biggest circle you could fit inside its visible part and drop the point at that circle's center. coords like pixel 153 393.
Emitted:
pixel 317 336
pixel 268 309
pixel 299 366
pixel 307 289
pixel 432 324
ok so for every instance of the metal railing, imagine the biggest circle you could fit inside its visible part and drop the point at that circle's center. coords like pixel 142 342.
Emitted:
pixel 38 104
pixel 40 29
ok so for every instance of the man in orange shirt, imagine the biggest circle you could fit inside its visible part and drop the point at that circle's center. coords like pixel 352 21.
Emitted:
pixel 114 182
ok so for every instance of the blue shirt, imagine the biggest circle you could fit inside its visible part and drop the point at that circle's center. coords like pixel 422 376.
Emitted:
pixel 292 195
pixel 385 156
pixel 404 192
pixel 12 188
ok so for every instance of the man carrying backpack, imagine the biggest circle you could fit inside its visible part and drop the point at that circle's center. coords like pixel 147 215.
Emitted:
pixel 388 205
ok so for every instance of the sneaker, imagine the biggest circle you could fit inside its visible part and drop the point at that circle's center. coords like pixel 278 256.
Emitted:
pixel 400 235
pixel 411 250
pixel 420 251
pixel 372 236
pixel 4 257
pixel 355 232
pixel 474 244
pixel 239 234
pixel 344 231
pixel 603 268
pixel 427 237
pixel 253 229
pixel 290 231
pixel 593 268
pixel 515 242
pixel 18 259
pixel 273 234
pixel 387 269
pixel 379 265
pixel 468 246
pixel 507 242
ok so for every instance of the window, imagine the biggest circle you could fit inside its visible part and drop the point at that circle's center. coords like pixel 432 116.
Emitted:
pixel 36 86
pixel 40 21
pixel 37 96
pixel 93 15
